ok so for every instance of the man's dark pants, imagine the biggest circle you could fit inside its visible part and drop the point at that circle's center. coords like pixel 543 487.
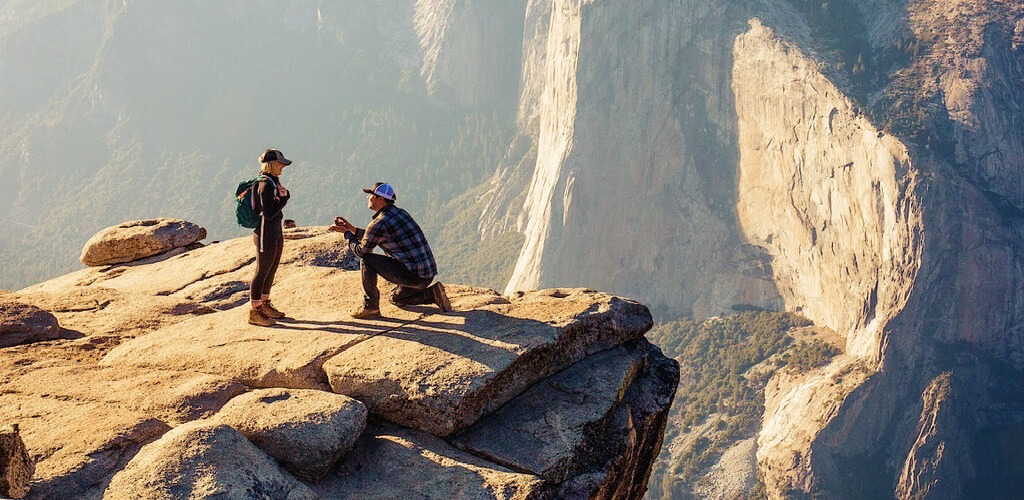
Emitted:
pixel 412 289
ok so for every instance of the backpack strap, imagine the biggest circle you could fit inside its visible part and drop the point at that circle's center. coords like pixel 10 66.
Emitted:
pixel 269 180
pixel 255 192
pixel 256 181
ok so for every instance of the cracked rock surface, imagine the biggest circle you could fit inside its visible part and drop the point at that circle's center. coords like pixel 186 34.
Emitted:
pixel 170 377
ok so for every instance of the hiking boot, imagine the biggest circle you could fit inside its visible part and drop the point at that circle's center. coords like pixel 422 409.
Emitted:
pixel 404 301
pixel 270 311
pixel 441 298
pixel 366 313
pixel 256 317
pixel 401 303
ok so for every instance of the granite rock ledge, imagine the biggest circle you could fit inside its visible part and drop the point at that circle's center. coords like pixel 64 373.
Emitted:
pixel 168 373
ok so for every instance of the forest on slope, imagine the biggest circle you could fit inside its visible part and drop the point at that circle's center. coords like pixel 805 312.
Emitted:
pixel 162 108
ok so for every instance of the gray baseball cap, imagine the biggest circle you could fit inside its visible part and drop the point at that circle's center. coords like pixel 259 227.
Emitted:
pixel 274 155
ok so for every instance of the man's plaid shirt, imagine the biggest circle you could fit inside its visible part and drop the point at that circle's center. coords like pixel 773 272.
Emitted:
pixel 394 231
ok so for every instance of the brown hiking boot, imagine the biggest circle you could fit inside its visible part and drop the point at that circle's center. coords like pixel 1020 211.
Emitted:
pixel 366 313
pixel 270 311
pixel 441 298
pixel 256 317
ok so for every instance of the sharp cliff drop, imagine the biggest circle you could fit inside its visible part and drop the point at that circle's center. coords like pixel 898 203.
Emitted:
pixel 858 162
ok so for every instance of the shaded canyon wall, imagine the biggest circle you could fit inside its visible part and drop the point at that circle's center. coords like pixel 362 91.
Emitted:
pixel 706 158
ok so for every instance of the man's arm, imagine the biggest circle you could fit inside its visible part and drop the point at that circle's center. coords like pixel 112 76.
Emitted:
pixel 360 241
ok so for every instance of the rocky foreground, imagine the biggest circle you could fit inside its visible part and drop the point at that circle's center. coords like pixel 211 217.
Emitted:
pixel 144 380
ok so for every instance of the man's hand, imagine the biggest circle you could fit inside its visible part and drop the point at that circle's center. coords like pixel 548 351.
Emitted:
pixel 342 226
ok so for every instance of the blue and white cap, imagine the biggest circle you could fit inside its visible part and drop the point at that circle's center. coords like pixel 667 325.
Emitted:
pixel 382 189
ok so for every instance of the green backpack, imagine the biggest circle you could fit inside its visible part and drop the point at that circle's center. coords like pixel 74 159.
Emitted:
pixel 245 202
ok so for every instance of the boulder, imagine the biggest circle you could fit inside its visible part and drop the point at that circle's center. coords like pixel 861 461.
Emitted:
pixel 22 323
pixel 390 462
pixel 16 466
pixel 306 431
pixel 135 240
pixel 202 460
pixel 300 233
pixel 321 247
pixel 441 373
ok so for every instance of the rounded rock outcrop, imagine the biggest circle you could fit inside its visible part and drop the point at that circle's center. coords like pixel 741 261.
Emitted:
pixel 204 460
pixel 139 239
pixel 22 323
pixel 307 431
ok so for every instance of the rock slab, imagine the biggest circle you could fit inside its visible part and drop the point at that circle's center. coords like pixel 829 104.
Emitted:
pixel 553 428
pixel 306 431
pixel 389 462
pixel 594 428
pixel 138 239
pixel 171 396
pixel 16 466
pixel 639 429
pixel 224 344
pixel 287 355
pixel 441 375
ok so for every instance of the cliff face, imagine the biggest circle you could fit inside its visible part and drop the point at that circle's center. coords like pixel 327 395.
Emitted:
pixel 625 126
pixel 835 201
pixel 829 196
pixel 858 164
pixel 469 49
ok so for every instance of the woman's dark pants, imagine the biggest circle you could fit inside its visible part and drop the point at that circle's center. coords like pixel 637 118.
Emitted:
pixel 266 264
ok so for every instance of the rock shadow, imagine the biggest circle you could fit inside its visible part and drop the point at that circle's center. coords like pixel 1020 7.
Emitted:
pixel 393 461
pixel 486 337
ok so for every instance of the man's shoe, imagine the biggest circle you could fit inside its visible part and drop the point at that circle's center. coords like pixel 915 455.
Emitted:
pixel 270 311
pixel 256 317
pixel 441 298
pixel 395 299
pixel 366 313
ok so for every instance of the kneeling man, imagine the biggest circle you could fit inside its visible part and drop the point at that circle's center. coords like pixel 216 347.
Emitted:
pixel 409 262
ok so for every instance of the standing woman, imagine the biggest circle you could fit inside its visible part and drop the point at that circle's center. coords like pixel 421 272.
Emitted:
pixel 271 197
